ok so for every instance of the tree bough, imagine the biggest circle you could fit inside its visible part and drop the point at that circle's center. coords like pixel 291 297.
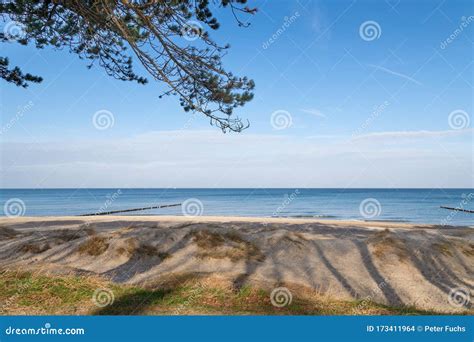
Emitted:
pixel 167 37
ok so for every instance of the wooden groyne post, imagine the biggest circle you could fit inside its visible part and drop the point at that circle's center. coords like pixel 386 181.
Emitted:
pixel 129 210
pixel 458 209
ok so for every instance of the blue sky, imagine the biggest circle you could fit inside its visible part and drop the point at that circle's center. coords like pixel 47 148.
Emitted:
pixel 364 112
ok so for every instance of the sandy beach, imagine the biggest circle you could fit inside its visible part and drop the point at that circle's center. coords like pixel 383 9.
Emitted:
pixel 396 264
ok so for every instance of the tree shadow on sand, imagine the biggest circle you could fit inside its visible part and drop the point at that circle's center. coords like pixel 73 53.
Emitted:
pixel 388 291
pixel 135 303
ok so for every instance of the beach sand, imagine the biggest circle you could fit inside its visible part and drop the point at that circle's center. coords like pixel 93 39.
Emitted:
pixel 396 264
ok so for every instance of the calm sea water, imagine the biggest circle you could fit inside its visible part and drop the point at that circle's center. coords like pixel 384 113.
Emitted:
pixel 404 205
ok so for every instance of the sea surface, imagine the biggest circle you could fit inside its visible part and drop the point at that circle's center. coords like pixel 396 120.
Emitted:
pixel 399 205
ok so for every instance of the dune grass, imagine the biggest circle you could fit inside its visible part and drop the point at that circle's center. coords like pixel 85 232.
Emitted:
pixel 39 294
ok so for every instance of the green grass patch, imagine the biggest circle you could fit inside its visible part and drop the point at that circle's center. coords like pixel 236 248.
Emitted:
pixel 31 294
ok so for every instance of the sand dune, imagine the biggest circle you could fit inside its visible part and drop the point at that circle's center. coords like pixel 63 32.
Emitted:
pixel 390 263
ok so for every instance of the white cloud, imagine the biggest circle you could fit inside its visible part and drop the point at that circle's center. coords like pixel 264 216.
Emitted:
pixel 395 73
pixel 413 134
pixel 314 112
pixel 212 159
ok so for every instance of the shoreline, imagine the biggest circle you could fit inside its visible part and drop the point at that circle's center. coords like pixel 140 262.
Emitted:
pixel 250 219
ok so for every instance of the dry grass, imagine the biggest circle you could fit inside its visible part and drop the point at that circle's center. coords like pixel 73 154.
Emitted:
pixel 59 237
pixel 87 228
pixel 468 250
pixel 128 247
pixel 34 293
pixel 66 235
pixel 385 243
pixel 95 245
pixel 35 248
pixel 7 233
pixel 296 239
pixel 134 248
pixel 443 248
pixel 226 245
pixel 127 229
